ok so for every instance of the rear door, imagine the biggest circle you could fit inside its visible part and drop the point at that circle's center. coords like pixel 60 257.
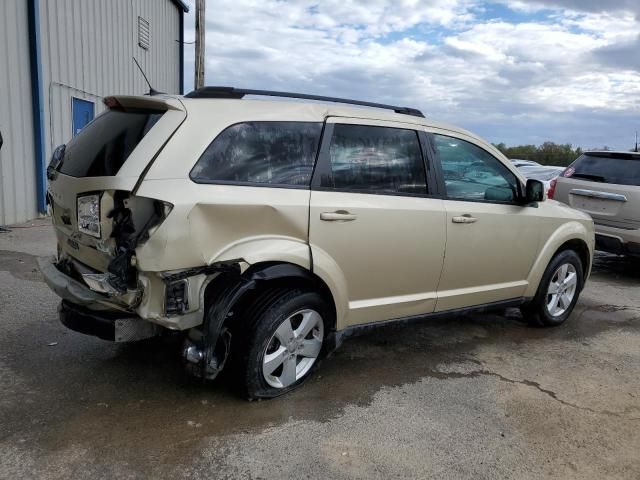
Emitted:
pixel 606 185
pixel 374 221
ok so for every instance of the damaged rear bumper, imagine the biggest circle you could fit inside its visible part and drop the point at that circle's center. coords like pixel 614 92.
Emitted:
pixel 111 326
pixel 107 323
pixel 148 303
pixel 66 287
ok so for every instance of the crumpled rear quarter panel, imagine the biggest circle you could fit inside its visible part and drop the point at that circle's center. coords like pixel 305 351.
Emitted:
pixel 211 223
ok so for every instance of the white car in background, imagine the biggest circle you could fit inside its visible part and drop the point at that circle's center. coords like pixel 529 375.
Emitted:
pixel 517 162
pixel 546 174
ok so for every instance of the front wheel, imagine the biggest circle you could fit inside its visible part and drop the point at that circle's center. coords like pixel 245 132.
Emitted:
pixel 284 343
pixel 558 291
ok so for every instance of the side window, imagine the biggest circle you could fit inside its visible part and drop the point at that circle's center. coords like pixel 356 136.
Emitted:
pixel 375 159
pixel 471 173
pixel 272 153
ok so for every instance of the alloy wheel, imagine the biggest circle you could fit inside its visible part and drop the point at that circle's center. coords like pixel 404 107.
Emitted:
pixel 562 289
pixel 293 348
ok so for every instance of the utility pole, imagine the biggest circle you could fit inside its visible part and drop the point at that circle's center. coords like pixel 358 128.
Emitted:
pixel 198 78
pixel 636 141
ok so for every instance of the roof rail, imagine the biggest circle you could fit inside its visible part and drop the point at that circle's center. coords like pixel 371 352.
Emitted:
pixel 237 93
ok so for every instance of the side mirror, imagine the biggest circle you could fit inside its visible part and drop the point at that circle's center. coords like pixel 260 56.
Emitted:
pixel 534 191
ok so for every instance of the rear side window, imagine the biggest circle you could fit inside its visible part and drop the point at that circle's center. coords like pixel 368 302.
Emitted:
pixel 622 169
pixel 272 153
pixel 102 147
pixel 375 159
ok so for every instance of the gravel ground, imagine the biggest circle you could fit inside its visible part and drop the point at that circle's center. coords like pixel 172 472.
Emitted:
pixel 480 396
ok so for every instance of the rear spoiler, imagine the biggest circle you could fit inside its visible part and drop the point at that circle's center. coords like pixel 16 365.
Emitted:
pixel 131 102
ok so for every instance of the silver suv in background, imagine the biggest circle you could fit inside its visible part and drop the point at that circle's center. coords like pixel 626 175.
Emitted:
pixel 606 185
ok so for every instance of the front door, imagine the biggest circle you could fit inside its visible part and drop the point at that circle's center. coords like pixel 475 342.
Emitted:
pixel 373 221
pixel 492 241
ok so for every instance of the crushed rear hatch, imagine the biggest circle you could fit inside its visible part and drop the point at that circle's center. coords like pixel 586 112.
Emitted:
pixel 97 217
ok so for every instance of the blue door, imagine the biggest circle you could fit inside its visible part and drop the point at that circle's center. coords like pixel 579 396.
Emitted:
pixel 82 114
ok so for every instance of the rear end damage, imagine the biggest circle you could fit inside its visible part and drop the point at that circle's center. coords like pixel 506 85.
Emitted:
pixel 100 222
pixel 143 250
pixel 106 262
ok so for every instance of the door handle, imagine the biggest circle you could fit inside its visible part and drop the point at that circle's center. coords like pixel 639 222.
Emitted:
pixel 338 216
pixel 466 218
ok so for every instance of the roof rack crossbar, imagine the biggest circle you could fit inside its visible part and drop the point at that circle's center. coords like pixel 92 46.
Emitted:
pixel 237 93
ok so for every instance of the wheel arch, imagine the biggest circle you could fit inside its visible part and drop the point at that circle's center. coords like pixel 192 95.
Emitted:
pixel 241 290
pixel 569 236
pixel 582 249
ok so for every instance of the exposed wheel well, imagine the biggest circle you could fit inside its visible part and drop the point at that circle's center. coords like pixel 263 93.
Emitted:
pixel 581 248
pixel 303 279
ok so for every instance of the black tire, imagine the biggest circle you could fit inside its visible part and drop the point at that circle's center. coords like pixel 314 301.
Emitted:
pixel 537 312
pixel 259 324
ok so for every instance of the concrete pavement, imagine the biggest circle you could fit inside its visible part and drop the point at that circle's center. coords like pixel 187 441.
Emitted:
pixel 481 396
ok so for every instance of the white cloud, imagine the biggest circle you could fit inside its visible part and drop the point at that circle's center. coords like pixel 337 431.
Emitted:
pixel 442 56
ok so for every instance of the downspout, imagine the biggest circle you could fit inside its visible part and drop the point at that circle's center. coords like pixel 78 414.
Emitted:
pixel 181 53
pixel 37 101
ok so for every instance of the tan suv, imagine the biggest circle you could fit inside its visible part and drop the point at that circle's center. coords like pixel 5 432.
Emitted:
pixel 606 185
pixel 269 230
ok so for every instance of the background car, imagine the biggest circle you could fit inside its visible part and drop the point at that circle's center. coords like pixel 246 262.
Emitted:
pixel 606 185
pixel 517 162
pixel 546 174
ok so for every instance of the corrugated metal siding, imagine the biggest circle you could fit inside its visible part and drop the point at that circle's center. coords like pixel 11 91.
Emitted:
pixel 87 50
pixel 17 159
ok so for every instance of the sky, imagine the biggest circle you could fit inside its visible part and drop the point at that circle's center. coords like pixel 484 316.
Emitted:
pixel 512 71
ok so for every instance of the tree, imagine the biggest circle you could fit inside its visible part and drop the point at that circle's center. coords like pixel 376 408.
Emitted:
pixel 549 153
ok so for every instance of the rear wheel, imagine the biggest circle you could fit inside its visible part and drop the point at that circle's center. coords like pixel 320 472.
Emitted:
pixel 558 291
pixel 283 344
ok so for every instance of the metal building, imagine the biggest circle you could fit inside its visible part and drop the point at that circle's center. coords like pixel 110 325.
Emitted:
pixel 58 59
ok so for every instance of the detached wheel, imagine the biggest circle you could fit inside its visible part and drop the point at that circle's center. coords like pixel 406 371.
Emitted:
pixel 558 292
pixel 284 341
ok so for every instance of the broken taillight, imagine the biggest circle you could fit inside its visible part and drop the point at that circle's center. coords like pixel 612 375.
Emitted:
pixel 552 188
pixel 176 298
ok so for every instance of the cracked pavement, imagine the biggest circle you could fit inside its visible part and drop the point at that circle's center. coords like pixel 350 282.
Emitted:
pixel 478 396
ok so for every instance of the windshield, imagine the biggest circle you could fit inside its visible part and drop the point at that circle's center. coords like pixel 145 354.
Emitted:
pixel 619 168
pixel 102 147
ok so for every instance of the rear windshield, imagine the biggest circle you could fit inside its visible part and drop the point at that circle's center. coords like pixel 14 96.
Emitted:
pixel 622 169
pixel 103 146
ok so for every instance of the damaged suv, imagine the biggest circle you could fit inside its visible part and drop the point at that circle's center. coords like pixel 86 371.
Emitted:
pixel 267 231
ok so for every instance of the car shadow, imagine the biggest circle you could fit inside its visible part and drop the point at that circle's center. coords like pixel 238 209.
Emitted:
pixel 616 267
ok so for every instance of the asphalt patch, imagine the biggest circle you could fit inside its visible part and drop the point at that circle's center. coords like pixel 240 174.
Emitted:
pixel 21 265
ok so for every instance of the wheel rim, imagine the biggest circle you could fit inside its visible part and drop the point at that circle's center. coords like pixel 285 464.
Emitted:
pixel 293 348
pixel 562 289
